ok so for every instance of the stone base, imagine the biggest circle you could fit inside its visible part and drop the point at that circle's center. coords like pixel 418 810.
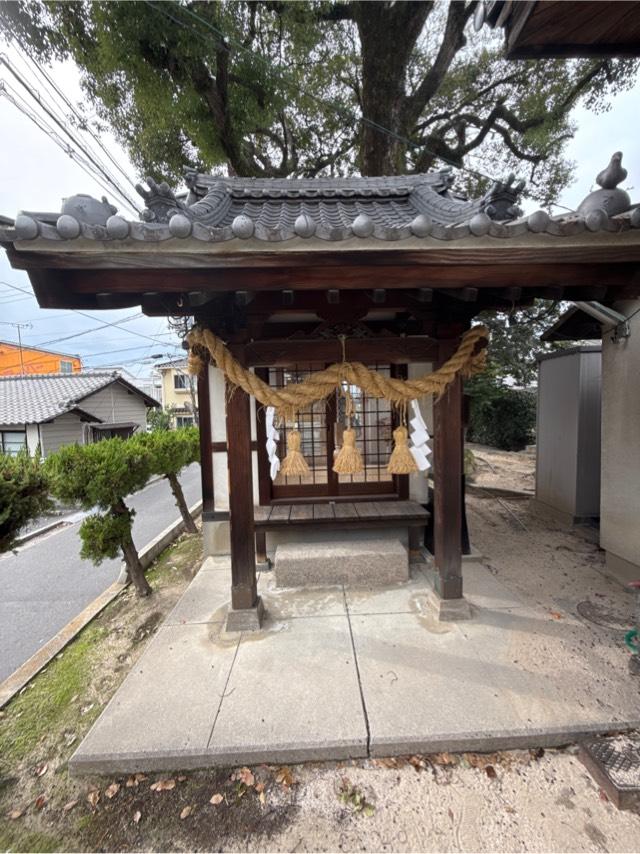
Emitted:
pixel 448 610
pixel 356 562
pixel 623 570
pixel 215 538
pixel 245 619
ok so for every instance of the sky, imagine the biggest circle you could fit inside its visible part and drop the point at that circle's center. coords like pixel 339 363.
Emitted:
pixel 36 175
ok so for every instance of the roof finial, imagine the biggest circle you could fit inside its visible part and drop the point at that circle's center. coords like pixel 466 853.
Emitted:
pixel 610 177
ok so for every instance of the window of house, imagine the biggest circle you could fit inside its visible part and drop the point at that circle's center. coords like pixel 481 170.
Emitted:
pixel 13 442
pixel 180 381
pixel 66 367
pixel 184 421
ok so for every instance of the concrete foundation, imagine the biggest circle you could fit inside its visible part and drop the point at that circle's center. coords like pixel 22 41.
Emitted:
pixel 245 619
pixel 622 570
pixel 370 562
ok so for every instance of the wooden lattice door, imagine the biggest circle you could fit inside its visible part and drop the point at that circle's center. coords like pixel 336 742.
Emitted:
pixel 321 428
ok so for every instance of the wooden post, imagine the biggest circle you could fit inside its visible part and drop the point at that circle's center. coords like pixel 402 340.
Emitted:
pixel 447 498
pixel 206 457
pixel 244 592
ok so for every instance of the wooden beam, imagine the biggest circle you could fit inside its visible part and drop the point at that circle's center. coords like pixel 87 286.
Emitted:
pixel 333 296
pixel 244 591
pixel 447 493
pixel 379 296
pixel 382 349
pixel 206 458
pixel 462 294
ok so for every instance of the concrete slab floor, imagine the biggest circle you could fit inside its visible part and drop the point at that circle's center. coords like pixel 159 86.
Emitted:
pixel 337 674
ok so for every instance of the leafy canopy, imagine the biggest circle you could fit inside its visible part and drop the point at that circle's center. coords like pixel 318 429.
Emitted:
pixel 309 88
pixel 170 450
pixel 23 494
pixel 98 475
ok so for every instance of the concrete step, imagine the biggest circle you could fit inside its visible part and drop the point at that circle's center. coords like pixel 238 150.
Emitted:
pixel 355 562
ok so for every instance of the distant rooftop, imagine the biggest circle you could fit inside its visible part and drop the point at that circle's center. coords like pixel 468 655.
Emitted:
pixel 35 398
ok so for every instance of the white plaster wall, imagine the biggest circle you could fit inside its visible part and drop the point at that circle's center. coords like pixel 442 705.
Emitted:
pixel 418 481
pixel 33 438
pixel 620 486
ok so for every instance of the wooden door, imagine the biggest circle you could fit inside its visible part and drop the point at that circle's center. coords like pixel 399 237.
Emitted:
pixel 321 428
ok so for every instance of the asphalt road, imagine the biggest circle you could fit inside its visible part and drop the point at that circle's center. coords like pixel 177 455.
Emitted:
pixel 46 583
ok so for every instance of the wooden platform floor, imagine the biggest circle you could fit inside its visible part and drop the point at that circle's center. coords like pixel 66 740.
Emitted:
pixel 346 512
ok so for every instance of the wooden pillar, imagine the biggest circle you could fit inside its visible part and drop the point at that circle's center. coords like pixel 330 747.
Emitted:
pixel 447 498
pixel 244 593
pixel 206 457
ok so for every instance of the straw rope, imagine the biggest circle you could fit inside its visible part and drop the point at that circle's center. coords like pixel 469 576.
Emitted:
pixel 466 361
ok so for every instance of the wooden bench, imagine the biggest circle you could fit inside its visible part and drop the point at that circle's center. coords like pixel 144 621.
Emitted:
pixel 341 515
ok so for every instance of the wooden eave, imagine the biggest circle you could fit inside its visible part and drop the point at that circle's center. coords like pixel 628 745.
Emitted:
pixel 557 28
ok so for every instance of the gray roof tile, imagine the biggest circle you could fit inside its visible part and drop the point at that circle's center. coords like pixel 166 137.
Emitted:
pixel 36 398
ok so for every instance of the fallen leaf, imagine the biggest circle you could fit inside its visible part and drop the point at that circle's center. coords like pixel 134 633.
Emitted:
pixel 40 801
pixel 137 816
pixel 490 772
pixel 131 781
pixel 69 806
pixel 259 787
pixel 216 799
pixel 285 777
pixel 41 769
pixel 450 813
pixel 186 812
pixel 112 790
pixel 417 762
pixel 245 775
pixel 163 785
pixel 182 778
pixel 93 797
pixel 368 810
pixel 15 813
pixel 443 759
pixel 262 798
pixel 556 615
pixel 386 762
pixel 140 777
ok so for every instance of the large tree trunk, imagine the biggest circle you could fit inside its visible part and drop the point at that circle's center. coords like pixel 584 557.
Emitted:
pixel 388 34
pixel 178 494
pixel 135 570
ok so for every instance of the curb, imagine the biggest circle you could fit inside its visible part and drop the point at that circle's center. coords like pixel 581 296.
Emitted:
pixel 19 541
pixel 14 683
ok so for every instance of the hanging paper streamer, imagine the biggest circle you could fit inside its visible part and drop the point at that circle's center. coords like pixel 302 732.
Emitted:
pixel 273 436
pixel 419 449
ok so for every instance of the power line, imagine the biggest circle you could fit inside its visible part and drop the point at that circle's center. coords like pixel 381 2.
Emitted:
pixel 84 124
pixel 95 163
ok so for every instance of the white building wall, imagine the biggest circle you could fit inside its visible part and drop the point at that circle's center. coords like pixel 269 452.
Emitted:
pixel 66 429
pixel 620 493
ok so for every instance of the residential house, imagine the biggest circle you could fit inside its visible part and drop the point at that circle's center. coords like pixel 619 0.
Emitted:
pixel 49 411
pixel 17 360
pixel 179 392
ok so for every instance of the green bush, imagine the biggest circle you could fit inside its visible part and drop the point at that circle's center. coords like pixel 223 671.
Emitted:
pixel 169 452
pixel 101 476
pixel 24 494
pixel 502 417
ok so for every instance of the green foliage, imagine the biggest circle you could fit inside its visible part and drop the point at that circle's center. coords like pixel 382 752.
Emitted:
pixel 23 494
pixel 502 417
pixel 159 418
pixel 171 450
pixel 102 535
pixel 98 475
pixel 279 89
pixel 102 475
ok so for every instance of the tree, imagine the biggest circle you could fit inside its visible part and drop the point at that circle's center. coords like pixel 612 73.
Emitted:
pixel 159 418
pixel 169 452
pixel 24 494
pixel 101 476
pixel 323 87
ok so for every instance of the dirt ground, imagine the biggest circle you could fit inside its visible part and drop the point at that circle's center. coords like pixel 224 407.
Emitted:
pixel 504 469
pixel 509 801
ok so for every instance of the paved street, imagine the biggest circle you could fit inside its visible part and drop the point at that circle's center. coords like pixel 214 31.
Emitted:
pixel 46 584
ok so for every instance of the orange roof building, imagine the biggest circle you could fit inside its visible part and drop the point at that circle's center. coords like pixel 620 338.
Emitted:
pixel 17 361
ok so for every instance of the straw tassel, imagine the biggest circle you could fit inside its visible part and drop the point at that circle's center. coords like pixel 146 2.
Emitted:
pixel 401 460
pixel 349 459
pixel 294 463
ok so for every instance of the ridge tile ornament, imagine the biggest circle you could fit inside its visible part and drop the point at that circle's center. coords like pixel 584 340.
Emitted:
pixel 217 209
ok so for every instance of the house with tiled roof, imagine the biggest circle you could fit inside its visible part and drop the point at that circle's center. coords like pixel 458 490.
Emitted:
pixel 179 392
pixel 48 411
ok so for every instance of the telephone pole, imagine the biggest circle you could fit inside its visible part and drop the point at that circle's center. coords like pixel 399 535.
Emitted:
pixel 18 327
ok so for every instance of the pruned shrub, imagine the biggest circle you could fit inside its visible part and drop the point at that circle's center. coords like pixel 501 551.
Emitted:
pixel 24 494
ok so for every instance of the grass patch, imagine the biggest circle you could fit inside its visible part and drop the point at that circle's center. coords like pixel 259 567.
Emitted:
pixel 17 839
pixel 46 704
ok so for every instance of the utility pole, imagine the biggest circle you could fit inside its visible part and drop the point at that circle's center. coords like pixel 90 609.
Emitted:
pixel 18 327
